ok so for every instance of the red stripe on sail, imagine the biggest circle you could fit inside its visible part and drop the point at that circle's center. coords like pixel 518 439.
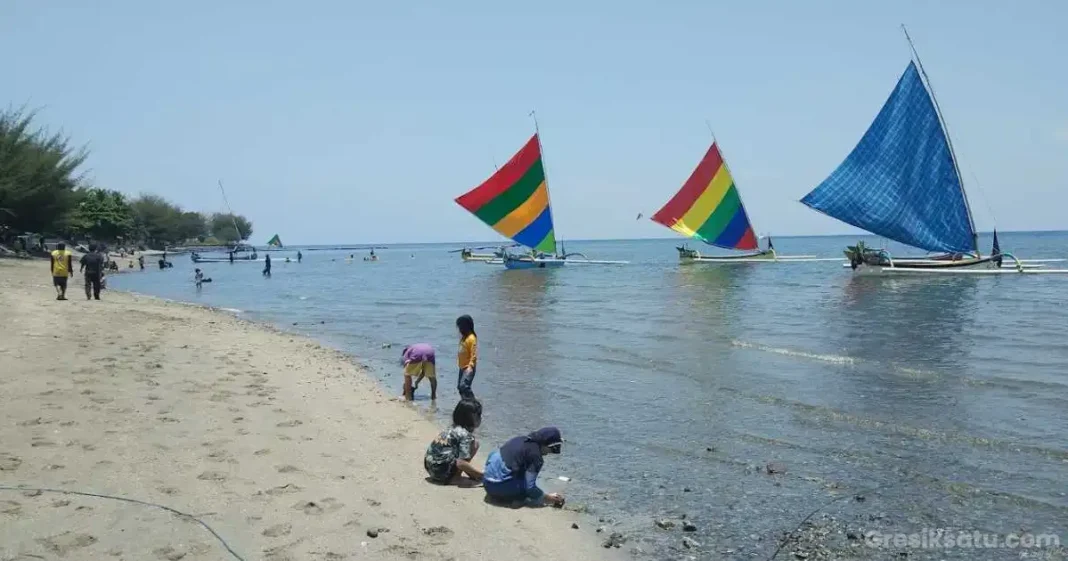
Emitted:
pixel 691 190
pixel 504 178
pixel 748 241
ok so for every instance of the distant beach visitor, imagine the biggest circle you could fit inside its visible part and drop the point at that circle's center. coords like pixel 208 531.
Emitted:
pixel 62 267
pixel 512 471
pixel 418 360
pixel 300 256
pixel 449 456
pixel 92 264
pixel 267 265
pixel 467 356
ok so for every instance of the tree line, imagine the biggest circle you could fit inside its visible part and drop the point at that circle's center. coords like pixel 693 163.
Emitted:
pixel 44 191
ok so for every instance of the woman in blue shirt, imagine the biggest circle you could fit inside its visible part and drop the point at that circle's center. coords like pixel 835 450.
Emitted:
pixel 512 471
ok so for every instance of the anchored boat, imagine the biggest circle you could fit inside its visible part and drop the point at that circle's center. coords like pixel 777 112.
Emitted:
pixel 514 201
pixel 902 182
pixel 709 208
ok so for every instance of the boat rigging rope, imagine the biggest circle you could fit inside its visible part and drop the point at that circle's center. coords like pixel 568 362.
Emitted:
pixel 133 501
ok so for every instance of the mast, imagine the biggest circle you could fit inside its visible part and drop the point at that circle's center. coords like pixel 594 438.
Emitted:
pixel 232 217
pixel 728 168
pixel 548 196
pixel 949 141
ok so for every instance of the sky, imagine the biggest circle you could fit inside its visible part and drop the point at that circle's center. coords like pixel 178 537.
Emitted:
pixel 348 121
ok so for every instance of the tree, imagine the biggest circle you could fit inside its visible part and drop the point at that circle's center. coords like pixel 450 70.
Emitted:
pixel 192 225
pixel 158 220
pixel 222 227
pixel 102 215
pixel 38 175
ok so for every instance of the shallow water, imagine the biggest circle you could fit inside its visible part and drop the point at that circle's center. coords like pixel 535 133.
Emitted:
pixel 941 400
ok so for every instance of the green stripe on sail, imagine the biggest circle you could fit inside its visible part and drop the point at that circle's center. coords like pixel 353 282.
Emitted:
pixel 721 217
pixel 548 243
pixel 503 204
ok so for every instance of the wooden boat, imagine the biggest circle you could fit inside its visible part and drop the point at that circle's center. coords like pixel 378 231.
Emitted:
pixel 902 182
pixel 514 201
pixel 709 208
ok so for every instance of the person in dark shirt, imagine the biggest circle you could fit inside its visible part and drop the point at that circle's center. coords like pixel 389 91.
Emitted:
pixel 267 265
pixel 141 261
pixel 92 264
pixel 511 472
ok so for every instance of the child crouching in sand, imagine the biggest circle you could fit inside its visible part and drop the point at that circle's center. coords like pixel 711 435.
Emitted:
pixel 512 471
pixel 418 360
pixel 450 454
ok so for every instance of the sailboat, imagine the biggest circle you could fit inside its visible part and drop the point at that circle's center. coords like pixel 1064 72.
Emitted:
pixel 902 182
pixel 709 208
pixel 514 201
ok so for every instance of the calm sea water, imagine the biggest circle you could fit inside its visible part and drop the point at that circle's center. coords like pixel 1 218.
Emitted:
pixel 941 400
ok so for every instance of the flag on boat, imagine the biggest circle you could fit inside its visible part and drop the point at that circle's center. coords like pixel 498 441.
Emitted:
pixel 900 181
pixel 514 201
pixel 709 208
pixel 275 241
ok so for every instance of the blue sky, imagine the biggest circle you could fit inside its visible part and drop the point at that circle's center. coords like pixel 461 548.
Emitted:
pixel 343 121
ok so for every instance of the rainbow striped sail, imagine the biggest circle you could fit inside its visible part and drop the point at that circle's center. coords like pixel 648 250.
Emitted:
pixel 708 207
pixel 514 201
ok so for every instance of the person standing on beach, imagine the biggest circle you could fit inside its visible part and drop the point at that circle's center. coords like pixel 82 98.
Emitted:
pixel 92 264
pixel 267 265
pixel 300 256
pixel 62 267
pixel 467 356
pixel 418 360
pixel 141 261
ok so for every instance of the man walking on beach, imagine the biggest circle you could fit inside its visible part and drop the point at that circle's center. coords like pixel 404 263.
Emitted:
pixel 92 264
pixel 62 266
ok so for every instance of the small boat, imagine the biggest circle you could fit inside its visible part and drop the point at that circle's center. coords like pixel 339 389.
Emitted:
pixel 902 182
pixel 468 255
pixel 709 208
pixel 514 201
pixel 244 258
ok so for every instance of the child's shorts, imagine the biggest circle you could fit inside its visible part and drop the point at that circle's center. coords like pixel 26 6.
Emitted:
pixel 418 368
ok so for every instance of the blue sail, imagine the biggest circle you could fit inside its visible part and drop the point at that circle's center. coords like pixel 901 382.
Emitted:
pixel 900 182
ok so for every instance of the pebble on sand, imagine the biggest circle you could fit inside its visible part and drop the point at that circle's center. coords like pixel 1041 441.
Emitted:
pixel 372 533
pixel 690 543
pixel 775 467
pixel 665 524
pixel 615 540
pixel 689 527
pixel 574 526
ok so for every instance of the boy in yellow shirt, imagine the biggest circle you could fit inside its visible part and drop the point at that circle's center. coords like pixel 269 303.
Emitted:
pixel 62 266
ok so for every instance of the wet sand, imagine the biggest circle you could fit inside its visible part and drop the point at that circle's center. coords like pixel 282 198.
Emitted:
pixel 284 448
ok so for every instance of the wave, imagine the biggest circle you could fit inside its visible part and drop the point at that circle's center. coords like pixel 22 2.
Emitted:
pixel 834 359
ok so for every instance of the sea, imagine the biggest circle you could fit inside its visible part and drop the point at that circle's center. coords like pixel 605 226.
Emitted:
pixel 787 410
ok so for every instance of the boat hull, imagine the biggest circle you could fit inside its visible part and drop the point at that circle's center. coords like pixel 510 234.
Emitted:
pixel 478 257
pixel 519 263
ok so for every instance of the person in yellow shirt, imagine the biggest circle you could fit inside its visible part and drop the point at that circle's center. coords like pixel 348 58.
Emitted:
pixel 62 267
pixel 467 357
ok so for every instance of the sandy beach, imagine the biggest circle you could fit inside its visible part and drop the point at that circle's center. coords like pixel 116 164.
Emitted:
pixel 284 448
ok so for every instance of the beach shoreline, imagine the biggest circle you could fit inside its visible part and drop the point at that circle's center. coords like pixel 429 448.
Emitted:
pixel 286 448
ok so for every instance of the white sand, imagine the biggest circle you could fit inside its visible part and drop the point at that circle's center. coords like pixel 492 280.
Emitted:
pixel 285 448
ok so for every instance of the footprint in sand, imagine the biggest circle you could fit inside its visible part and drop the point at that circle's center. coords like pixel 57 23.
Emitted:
pixel 64 543
pixel 290 423
pixel 286 489
pixel 10 507
pixel 315 508
pixel 9 462
pixel 278 530
pixel 168 490
pixel 261 452
pixel 60 503
pixel 243 432
pixel 287 469
pixel 212 476
pixel 284 437
pixel 38 442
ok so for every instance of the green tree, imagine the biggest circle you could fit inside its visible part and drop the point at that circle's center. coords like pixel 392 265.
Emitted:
pixel 102 215
pixel 192 225
pixel 158 220
pixel 222 227
pixel 38 175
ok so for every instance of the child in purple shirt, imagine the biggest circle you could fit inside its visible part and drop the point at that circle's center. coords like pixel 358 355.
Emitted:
pixel 418 360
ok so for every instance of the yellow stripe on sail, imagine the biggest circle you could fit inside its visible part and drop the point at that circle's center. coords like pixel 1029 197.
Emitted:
pixel 524 214
pixel 708 201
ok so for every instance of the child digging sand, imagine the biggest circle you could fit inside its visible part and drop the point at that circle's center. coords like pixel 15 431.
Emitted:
pixel 450 454
pixel 418 361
